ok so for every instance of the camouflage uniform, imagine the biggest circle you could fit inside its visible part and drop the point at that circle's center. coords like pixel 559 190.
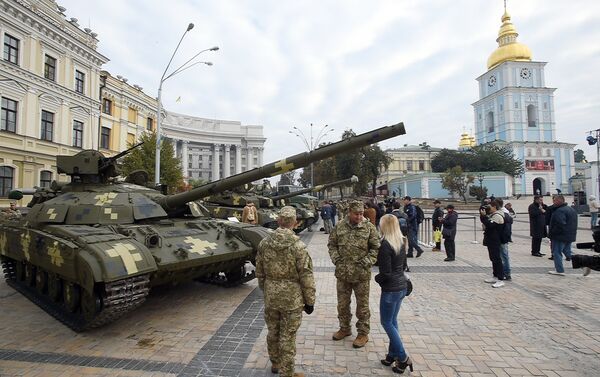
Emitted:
pixel 284 272
pixel 353 250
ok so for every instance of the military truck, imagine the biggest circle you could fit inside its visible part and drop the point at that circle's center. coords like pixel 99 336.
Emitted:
pixel 90 252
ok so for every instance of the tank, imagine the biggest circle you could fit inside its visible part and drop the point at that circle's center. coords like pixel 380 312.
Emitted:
pixel 231 203
pixel 306 205
pixel 89 253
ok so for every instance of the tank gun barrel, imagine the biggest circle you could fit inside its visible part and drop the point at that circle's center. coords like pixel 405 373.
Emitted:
pixel 170 203
pixel 317 188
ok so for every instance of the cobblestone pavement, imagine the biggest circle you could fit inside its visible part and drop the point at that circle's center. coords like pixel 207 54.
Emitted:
pixel 453 324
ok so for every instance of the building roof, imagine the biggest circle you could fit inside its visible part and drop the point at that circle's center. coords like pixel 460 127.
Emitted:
pixel 508 47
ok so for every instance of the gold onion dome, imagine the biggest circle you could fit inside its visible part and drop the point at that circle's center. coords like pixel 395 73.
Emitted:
pixel 466 141
pixel 508 47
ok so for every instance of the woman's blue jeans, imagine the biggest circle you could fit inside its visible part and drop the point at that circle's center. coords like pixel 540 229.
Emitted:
pixel 594 219
pixel 389 306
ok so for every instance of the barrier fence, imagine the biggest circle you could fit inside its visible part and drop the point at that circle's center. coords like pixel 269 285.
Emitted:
pixel 426 229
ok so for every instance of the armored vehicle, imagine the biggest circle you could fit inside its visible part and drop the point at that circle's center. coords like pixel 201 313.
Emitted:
pixel 89 252
pixel 307 205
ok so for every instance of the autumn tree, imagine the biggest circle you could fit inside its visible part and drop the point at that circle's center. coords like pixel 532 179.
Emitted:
pixel 579 155
pixel 374 161
pixel 487 157
pixel 457 182
pixel 143 157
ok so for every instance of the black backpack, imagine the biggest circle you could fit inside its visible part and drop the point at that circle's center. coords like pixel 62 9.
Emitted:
pixel 420 214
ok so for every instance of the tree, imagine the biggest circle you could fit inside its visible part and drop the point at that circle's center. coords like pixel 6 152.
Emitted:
pixel 142 158
pixel 374 161
pixel 456 181
pixel 288 178
pixel 479 192
pixel 579 155
pixel 197 182
pixel 487 157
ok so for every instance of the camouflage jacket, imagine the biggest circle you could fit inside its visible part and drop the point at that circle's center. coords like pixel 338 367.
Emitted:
pixel 285 271
pixel 353 250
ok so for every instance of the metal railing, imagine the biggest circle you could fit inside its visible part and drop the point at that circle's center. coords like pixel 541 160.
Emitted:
pixel 426 229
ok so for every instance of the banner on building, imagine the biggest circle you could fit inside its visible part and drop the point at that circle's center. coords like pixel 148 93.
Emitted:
pixel 539 164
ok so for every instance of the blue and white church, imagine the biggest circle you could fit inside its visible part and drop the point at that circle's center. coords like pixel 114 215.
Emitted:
pixel 516 109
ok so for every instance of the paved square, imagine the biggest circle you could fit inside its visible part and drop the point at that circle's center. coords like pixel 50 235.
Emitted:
pixel 453 324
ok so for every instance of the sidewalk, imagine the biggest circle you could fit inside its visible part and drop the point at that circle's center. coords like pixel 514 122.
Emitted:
pixel 453 324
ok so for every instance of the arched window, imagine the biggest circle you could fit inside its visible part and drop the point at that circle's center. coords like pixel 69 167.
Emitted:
pixel 6 180
pixel 489 121
pixel 528 152
pixel 531 118
pixel 45 178
pixel 548 153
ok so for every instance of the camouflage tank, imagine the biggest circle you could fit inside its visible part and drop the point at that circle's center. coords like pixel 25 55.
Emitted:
pixel 306 207
pixel 88 251
pixel 231 203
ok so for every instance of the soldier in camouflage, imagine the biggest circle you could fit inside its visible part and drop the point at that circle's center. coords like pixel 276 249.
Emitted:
pixel 284 273
pixel 353 247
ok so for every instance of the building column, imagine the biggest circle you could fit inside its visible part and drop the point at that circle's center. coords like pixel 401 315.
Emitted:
pixel 249 158
pixel 260 156
pixel 215 162
pixel 227 161
pixel 174 142
pixel 184 159
pixel 238 158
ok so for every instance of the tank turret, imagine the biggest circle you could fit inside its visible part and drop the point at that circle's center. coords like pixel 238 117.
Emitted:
pixel 172 202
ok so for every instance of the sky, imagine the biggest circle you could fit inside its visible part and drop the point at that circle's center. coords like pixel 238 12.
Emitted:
pixel 347 64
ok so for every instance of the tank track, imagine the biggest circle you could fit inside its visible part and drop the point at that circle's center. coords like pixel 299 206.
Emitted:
pixel 118 298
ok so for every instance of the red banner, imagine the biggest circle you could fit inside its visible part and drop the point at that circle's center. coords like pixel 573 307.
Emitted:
pixel 539 164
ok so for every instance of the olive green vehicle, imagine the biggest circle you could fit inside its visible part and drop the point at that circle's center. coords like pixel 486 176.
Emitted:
pixel 306 205
pixel 89 251
pixel 231 203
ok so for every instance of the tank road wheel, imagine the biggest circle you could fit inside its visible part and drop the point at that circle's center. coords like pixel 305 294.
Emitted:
pixel 71 296
pixel 20 271
pixel 30 274
pixel 90 305
pixel 41 281
pixel 54 287
pixel 235 274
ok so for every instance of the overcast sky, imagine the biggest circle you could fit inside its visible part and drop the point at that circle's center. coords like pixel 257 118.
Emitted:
pixel 348 64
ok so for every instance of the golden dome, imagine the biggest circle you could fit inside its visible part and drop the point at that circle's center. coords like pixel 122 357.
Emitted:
pixel 466 141
pixel 508 47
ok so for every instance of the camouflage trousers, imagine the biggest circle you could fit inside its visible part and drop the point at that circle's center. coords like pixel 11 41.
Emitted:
pixel 282 327
pixel 344 297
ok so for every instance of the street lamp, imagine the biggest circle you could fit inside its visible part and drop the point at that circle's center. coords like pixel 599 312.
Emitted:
pixel 595 140
pixel 181 68
pixel 314 142
pixel 480 179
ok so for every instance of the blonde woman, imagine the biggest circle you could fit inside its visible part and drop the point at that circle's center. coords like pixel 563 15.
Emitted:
pixel 391 260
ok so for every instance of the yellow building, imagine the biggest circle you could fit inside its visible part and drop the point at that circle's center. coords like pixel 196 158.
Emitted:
pixel 410 159
pixel 49 80
pixel 126 113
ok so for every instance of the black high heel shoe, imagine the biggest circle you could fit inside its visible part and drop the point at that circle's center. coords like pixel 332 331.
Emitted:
pixel 387 361
pixel 400 366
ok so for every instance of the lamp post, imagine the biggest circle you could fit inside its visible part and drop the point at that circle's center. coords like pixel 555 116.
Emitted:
pixel 181 68
pixel 480 179
pixel 594 140
pixel 312 145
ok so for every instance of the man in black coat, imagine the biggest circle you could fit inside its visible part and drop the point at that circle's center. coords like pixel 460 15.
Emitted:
pixel 537 224
pixel 436 222
pixel 562 232
pixel 449 233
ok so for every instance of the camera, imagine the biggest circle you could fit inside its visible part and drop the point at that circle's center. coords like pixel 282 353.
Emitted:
pixel 487 208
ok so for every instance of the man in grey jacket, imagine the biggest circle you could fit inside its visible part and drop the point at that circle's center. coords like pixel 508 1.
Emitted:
pixel 563 231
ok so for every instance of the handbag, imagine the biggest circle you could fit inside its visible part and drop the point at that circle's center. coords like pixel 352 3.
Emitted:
pixel 409 287
pixel 437 235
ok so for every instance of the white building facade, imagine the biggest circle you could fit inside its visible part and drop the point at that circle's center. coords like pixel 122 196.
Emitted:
pixel 211 149
pixel 516 108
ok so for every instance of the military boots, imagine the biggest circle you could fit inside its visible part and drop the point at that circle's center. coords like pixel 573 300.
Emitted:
pixel 360 341
pixel 341 334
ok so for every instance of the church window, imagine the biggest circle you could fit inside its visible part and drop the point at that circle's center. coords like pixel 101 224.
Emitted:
pixel 531 118
pixel 516 105
pixel 528 152
pixel 548 153
pixel 489 121
pixel 545 106
pixel 501 107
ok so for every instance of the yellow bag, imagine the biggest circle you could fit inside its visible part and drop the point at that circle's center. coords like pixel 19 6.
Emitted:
pixel 437 235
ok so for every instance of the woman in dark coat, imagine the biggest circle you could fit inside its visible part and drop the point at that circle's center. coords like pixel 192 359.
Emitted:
pixel 449 233
pixel 537 224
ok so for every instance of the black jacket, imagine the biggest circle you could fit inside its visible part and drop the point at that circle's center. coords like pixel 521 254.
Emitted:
pixel 437 213
pixel 493 227
pixel 563 224
pixel 391 268
pixel 449 222
pixel 537 221
pixel 506 235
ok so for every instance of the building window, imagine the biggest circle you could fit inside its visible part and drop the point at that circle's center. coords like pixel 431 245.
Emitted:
pixel 11 49
pixel 50 68
pixel 489 121
pixel 8 118
pixel 132 115
pixel 421 165
pixel 409 165
pixel 77 134
pixel 149 124
pixel 105 138
pixel 106 106
pixel 45 178
pixel 6 180
pixel 531 118
pixel 47 125
pixel 79 80
pixel 130 139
